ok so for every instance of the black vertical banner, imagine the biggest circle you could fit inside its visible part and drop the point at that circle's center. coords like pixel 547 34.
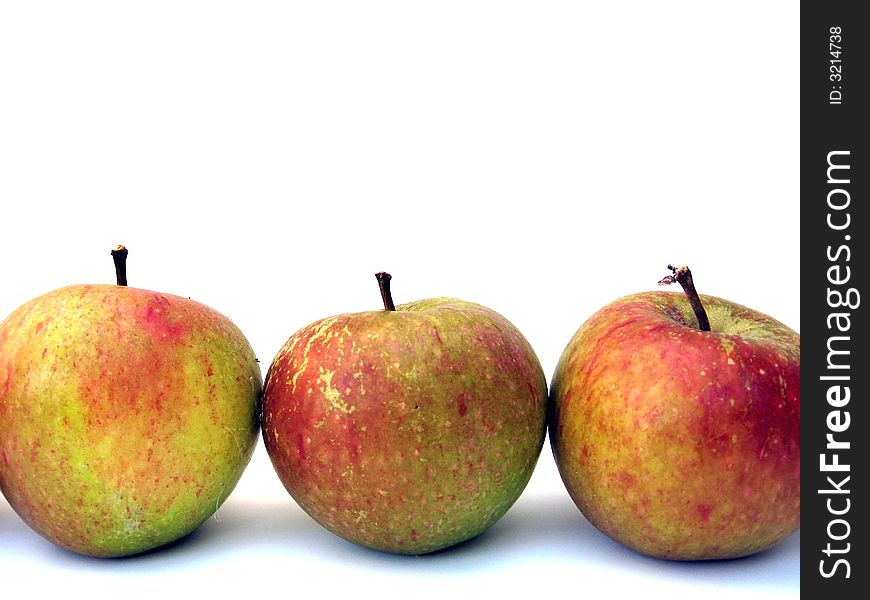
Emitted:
pixel 835 374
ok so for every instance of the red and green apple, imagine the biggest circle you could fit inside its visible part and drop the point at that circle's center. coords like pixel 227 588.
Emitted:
pixel 675 424
pixel 126 416
pixel 408 429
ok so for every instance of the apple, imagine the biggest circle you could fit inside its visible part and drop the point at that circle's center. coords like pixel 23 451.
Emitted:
pixel 409 429
pixel 126 416
pixel 677 440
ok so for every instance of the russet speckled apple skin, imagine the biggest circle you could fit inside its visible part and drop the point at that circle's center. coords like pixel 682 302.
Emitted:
pixel 406 431
pixel 126 416
pixel 680 443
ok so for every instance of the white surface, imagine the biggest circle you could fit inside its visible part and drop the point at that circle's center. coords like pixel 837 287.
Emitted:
pixel 542 158
pixel 260 540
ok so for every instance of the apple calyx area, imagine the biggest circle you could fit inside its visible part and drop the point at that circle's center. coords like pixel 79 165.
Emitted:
pixel 683 276
pixel 384 283
pixel 119 255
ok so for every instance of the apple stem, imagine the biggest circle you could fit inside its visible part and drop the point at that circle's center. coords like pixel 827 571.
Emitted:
pixel 384 284
pixel 683 276
pixel 119 255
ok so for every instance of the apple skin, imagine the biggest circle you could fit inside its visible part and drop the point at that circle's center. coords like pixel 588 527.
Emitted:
pixel 126 416
pixel 406 431
pixel 676 442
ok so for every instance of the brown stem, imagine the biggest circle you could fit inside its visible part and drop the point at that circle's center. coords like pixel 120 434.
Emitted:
pixel 683 276
pixel 384 284
pixel 119 255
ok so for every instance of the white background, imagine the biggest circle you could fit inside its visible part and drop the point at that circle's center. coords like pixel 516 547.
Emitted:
pixel 267 158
